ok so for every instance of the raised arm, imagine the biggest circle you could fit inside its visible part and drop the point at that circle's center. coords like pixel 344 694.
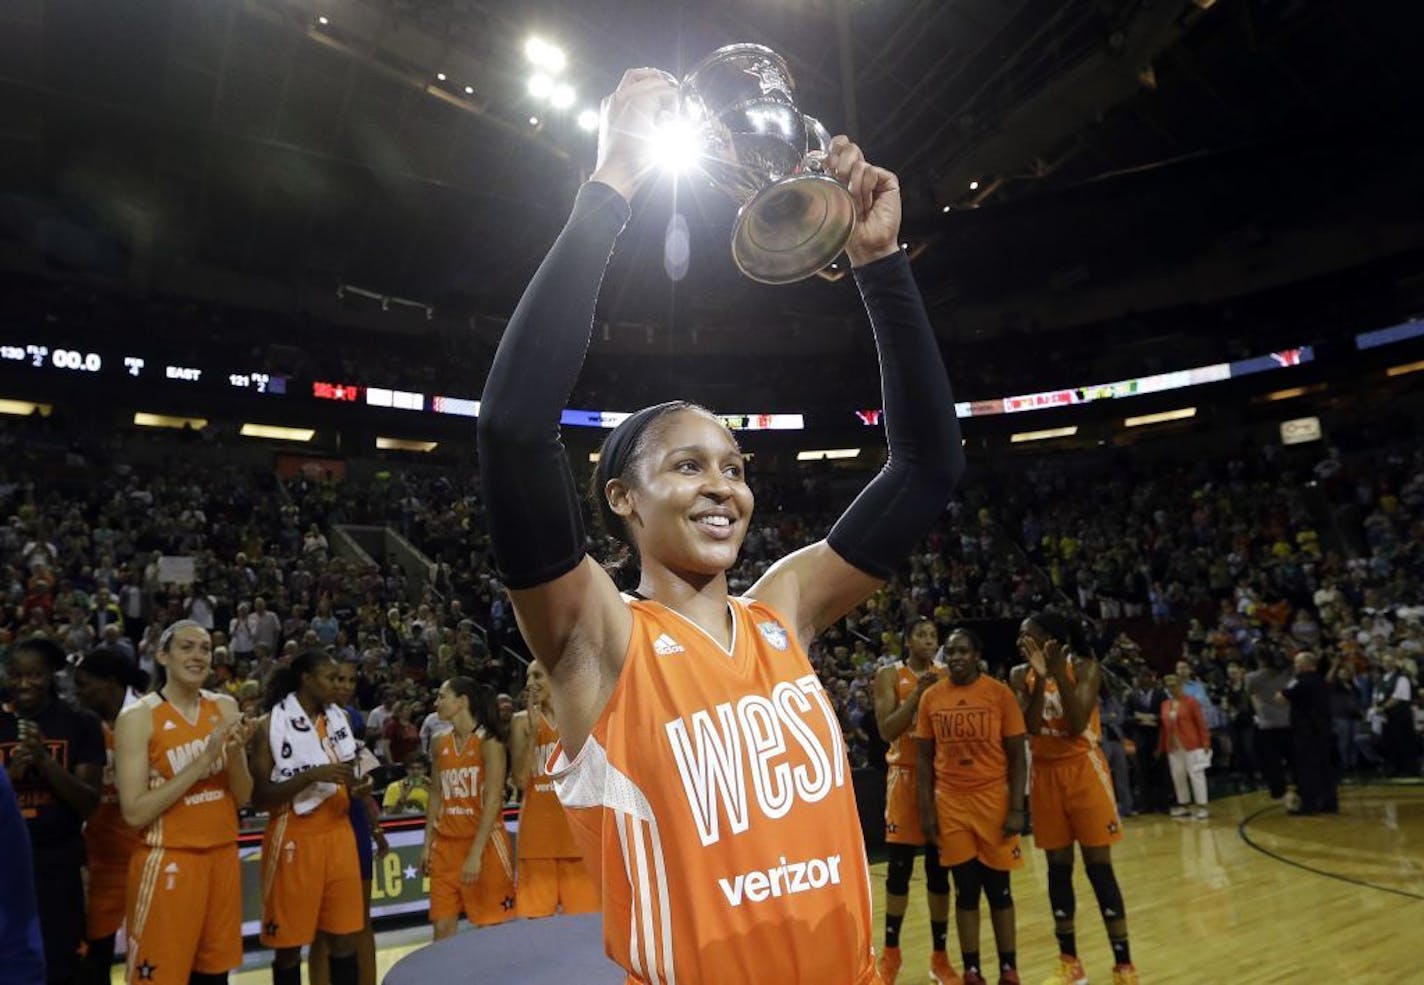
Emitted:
pixel 140 805
pixel 521 748
pixel 1030 698
pixel 893 716
pixel 562 598
pixel 818 584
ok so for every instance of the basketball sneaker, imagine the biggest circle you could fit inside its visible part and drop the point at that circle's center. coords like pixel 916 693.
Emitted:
pixel 972 977
pixel 1177 811
pixel 1069 972
pixel 1202 814
pixel 888 965
pixel 1009 977
pixel 941 971
pixel 1124 974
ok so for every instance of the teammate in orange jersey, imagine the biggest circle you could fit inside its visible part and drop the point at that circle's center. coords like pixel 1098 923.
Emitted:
pixel 972 772
pixel 1071 787
pixel 106 682
pixel 550 875
pixel 466 851
pixel 180 765
pixel 304 772
pixel 703 767
pixel 898 688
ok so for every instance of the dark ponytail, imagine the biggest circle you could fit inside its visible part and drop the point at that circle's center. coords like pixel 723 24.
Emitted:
pixel 484 708
pixel 110 664
pixel 284 680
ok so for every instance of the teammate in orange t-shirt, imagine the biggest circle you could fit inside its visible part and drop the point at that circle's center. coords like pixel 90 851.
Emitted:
pixel 304 770
pixel 1070 786
pixel 180 766
pixel 106 682
pixel 972 772
pixel 550 875
pixel 703 765
pixel 466 851
pixel 898 690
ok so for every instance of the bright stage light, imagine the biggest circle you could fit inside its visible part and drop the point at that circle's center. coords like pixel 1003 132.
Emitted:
pixel 588 120
pixel 440 76
pixel 469 90
pixel 323 21
pixel 545 55
pixel 676 146
pixel 562 97
pixel 974 186
pixel 533 121
pixel 540 86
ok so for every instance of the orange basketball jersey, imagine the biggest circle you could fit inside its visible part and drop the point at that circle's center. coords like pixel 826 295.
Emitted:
pixel 902 751
pixel 106 835
pixel 462 775
pixel 968 725
pixel 206 816
pixel 713 802
pixel 332 812
pixel 1056 740
pixel 543 828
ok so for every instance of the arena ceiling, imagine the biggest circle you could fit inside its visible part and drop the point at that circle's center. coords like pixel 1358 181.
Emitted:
pixel 1077 145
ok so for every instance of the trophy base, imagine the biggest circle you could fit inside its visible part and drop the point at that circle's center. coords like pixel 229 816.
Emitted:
pixel 792 228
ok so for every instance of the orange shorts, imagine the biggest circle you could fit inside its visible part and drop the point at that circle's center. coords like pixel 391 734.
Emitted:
pixel 184 914
pixel 108 896
pixel 971 825
pixel 902 808
pixel 1072 801
pixel 547 885
pixel 311 880
pixel 486 901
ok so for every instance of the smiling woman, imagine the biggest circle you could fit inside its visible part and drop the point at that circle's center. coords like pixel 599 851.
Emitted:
pixel 701 760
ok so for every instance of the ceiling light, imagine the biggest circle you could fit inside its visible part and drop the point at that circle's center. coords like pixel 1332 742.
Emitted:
pixel 545 55
pixel 165 421
pixel 562 97
pixel 593 457
pixel 1404 368
pixel 676 145
pixel 540 85
pixel 1180 414
pixel 588 120
pixel 826 454
pixel 323 21
pixel 904 246
pixel 533 121
pixel 278 433
pixel 974 186
pixel 405 444
pixel 440 76
pixel 23 408
pixel 1022 436
pixel 469 90
pixel 945 209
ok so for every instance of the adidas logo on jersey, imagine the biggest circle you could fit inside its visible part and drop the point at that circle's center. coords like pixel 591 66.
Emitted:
pixel 168 726
pixel 665 644
pixel 782 880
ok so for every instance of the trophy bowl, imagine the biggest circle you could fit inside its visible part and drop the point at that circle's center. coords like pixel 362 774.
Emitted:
pixel 769 157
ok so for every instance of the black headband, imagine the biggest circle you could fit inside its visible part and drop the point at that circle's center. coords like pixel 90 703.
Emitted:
pixel 618 446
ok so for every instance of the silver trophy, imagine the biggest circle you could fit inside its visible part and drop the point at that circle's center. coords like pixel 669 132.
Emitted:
pixel 769 157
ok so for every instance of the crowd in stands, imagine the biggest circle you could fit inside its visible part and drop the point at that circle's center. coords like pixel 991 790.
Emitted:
pixel 1229 565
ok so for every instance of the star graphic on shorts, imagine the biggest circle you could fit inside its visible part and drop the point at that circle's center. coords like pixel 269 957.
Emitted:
pixel 508 903
pixel 146 970
pixel 891 827
pixel 270 929
pixel 1018 852
pixel 1113 827
pixel 410 872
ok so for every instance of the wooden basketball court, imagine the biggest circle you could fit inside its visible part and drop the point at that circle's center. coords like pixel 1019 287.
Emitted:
pixel 1253 896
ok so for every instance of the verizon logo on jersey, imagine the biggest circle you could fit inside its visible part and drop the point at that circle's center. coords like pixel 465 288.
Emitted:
pixel 782 880
pixel 717 750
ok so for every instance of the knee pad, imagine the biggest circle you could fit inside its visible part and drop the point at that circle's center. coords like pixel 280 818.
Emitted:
pixel 897 873
pixel 936 872
pixel 207 978
pixel 968 878
pixel 1100 874
pixel 996 888
pixel 1060 890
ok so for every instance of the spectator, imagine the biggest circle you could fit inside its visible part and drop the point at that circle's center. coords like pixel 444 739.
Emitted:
pixel 411 793
pixel 1310 729
pixel 1186 742
pixel 401 733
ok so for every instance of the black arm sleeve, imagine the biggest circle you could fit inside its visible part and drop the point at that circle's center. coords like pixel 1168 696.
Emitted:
pixel 926 459
pixel 536 526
